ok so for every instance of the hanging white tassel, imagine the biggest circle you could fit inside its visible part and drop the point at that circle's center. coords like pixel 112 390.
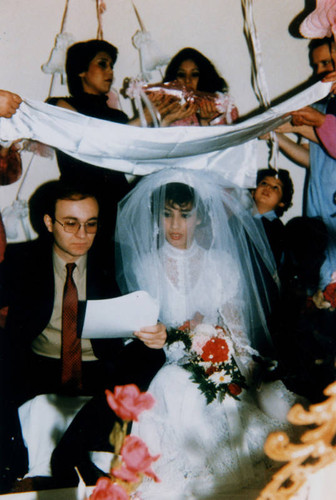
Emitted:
pixel 151 56
pixel 56 62
pixel 16 221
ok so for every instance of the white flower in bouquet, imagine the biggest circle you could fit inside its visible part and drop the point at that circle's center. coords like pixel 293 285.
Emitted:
pixel 220 378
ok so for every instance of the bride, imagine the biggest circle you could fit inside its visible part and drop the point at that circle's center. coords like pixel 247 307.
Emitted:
pixel 187 239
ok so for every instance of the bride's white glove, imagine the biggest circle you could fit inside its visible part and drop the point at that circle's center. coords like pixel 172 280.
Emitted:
pixel 153 336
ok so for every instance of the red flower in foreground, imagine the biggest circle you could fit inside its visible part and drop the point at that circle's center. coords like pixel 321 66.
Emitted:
pixel 136 460
pixel 105 490
pixel 330 294
pixel 128 402
pixel 215 350
pixel 234 389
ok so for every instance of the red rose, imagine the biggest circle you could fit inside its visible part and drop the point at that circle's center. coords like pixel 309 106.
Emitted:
pixel 234 389
pixel 106 490
pixel 211 370
pixel 215 350
pixel 330 294
pixel 185 326
pixel 128 402
pixel 137 459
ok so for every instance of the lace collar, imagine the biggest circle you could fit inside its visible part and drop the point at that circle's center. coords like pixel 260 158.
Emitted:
pixel 178 253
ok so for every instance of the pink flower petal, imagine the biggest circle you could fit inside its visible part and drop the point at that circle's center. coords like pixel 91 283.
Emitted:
pixel 128 402
pixel 125 474
pixel 136 455
pixel 106 490
pixel 321 22
pixel 150 473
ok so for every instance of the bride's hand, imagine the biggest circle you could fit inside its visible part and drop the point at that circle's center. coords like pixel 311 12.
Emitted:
pixel 197 319
pixel 153 336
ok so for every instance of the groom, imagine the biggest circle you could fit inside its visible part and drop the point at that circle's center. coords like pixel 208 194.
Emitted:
pixel 44 283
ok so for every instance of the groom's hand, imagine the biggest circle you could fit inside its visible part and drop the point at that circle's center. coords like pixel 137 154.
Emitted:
pixel 153 336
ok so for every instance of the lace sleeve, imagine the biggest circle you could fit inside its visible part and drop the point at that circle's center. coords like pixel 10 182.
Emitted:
pixel 232 318
pixel 233 323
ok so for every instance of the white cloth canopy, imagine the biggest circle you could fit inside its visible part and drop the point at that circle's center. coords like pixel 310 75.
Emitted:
pixel 141 151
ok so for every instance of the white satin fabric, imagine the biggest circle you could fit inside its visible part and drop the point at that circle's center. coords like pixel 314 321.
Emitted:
pixel 207 451
pixel 141 151
pixel 44 419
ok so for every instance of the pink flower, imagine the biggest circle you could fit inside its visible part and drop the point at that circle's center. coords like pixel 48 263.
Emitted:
pixel 106 490
pixel 136 460
pixel 198 342
pixel 128 402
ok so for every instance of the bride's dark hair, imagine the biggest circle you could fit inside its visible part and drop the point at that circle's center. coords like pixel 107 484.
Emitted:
pixel 180 194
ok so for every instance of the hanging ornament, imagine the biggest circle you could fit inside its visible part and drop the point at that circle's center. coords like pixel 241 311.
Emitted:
pixel 56 62
pixel 16 221
pixel 10 165
pixel 151 57
pixel 16 216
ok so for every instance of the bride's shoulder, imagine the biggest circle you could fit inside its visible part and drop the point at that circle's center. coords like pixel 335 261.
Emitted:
pixel 223 258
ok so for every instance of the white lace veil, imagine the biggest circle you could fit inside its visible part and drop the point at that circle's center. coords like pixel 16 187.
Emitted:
pixel 223 274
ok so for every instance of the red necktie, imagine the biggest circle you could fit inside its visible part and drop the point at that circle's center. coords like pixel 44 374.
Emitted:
pixel 71 344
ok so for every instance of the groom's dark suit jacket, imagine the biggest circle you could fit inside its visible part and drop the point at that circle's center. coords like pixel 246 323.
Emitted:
pixel 27 287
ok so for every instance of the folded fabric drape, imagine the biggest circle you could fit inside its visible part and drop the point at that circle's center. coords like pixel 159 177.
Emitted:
pixel 228 149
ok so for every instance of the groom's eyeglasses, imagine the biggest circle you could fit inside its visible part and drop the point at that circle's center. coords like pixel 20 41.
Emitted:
pixel 73 226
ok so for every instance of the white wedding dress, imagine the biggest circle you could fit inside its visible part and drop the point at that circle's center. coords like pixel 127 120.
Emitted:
pixel 205 450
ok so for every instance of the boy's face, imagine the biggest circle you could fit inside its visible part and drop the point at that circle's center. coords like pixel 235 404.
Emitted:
pixel 268 194
pixel 322 59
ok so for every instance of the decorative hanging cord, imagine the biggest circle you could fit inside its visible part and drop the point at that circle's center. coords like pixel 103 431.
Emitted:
pixel 259 82
pixel 23 178
pixel 40 149
pixel 151 56
pixel 141 24
pixel 65 12
pixel 100 8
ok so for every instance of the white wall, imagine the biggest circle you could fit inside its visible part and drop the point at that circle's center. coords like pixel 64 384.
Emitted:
pixel 215 27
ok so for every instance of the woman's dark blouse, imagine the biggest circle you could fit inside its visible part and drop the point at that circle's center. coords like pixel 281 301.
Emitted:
pixel 111 186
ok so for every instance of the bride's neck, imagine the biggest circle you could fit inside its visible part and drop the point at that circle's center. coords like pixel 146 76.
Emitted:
pixel 180 251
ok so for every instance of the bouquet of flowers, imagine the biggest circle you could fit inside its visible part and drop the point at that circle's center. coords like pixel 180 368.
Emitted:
pixel 132 460
pixel 209 358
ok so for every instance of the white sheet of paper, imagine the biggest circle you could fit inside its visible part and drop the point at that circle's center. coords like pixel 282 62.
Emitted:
pixel 120 317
